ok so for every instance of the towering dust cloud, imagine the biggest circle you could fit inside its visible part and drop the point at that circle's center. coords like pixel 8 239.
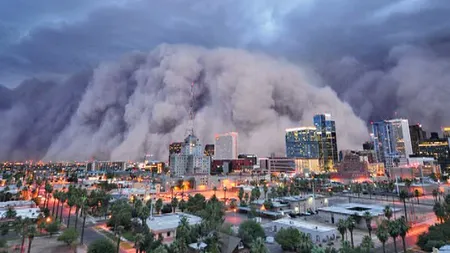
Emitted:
pixel 138 105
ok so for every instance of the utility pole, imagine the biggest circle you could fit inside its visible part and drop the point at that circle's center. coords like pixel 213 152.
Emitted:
pixel 314 194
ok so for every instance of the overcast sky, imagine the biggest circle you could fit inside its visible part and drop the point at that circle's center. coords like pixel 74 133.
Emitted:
pixel 92 73
pixel 53 37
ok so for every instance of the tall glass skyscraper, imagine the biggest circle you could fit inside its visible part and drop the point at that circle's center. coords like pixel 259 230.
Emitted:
pixel 392 141
pixel 326 136
pixel 302 143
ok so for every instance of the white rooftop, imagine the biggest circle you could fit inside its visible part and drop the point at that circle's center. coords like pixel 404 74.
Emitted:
pixel 198 246
pixel 15 204
pixel 128 191
pixel 31 213
pixel 305 226
pixel 444 249
pixel 170 221
pixel 300 129
pixel 360 209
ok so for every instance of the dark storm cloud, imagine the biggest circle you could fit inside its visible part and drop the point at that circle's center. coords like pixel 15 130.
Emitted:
pixel 376 55
pixel 60 36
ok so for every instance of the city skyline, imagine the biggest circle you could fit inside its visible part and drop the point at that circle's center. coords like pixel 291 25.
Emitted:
pixel 76 82
pixel 253 126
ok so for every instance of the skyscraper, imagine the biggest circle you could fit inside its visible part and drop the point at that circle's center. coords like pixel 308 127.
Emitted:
pixel 175 147
pixel 302 142
pixel 436 147
pixel 392 141
pixel 446 132
pixel 226 146
pixel 326 136
pixel 209 150
pixel 417 135
pixel 191 159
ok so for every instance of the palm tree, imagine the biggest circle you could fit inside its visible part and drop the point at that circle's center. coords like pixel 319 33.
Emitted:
pixel 435 195
pixel 84 212
pixel 70 202
pixel 138 241
pixel 408 183
pixel 403 197
pixel 403 228
pixel 417 195
pixel 214 190
pixel 174 203
pixel 143 214
pixel 388 212
pixel 160 249
pixel 63 197
pixel 10 213
pixel 370 190
pixel 19 184
pixel 78 205
pixel 258 246
pixel 265 189
pixel 342 228
pixel 440 212
pixel 367 243
pixel 119 231
pixel 368 219
pixel 31 233
pixel 394 232
pixel 57 196
pixel 350 222
pixel 158 205
pixel 21 228
pixel 48 191
pixel 383 235
pixel 38 184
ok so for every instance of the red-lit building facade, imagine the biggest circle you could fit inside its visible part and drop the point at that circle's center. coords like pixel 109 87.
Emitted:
pixel 230 166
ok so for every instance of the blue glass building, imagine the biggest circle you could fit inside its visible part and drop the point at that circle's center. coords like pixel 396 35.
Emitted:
pixel 326 137
pixel 302 143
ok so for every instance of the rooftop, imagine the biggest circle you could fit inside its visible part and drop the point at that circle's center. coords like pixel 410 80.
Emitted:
pixel 444 249
pixel 360 209
pixel 170 221
pixel 15 204
pixel 300 129
pixel 302 225
pixel 31 213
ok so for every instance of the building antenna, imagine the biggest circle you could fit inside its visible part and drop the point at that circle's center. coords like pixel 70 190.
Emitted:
pixel 190 126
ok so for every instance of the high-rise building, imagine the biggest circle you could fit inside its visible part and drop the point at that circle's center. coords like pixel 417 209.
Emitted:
pixel 175 147
pixel 417 135
pixel 401 141
pixel 191 159
pixel 226 146
pixel 209 150
pixel 302 142
pixel 436 147
pixel 446 132
pixel 392 141
pixel 326 136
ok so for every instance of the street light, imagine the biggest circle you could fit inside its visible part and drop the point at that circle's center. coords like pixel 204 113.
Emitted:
pixel 225 193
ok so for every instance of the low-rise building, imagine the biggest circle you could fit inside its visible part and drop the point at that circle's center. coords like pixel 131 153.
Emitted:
pixel 317 232
pixel 165 226
pixel 17 204
pixel 333 214
pixel 31 213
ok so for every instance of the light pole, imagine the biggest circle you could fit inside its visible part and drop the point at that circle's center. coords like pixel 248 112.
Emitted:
pixel 225 193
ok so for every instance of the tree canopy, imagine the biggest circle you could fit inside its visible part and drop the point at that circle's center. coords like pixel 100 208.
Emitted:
pixel 250 230
pixel 101 246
